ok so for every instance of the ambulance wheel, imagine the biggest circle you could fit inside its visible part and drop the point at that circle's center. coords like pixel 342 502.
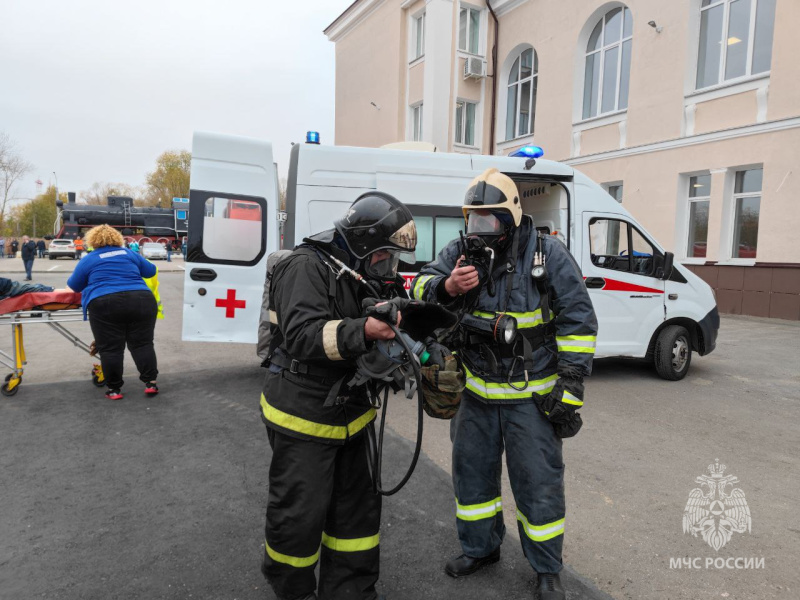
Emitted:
pixel 9 392
pixel 673 353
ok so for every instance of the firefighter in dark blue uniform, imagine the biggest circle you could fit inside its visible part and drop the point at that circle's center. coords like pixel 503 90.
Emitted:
pixel 322 506
pixel 524 389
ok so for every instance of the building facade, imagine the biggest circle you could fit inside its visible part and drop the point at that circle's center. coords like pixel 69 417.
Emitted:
pixel 687 112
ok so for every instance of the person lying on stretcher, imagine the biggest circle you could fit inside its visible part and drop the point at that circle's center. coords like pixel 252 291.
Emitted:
pixel 10 288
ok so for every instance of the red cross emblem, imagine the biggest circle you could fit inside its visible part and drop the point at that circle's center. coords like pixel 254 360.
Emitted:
pixel 230 304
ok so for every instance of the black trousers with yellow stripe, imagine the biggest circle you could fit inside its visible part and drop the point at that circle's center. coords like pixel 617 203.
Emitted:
pixel 481 432
pixel 321 509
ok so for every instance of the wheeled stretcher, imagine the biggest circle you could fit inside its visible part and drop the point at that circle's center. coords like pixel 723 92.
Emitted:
pixel 50 308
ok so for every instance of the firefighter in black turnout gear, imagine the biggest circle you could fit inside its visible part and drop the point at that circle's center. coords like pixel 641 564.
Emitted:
pixel 322 507
pixel 529 333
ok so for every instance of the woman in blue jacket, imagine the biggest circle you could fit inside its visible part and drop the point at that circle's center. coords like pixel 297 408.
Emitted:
pixel 121 308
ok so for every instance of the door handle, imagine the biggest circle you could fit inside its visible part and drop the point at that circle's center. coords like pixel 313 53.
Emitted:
pixel 203 274
pixel 595 282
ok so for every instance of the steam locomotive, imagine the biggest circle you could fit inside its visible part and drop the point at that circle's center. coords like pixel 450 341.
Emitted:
pixel 143 224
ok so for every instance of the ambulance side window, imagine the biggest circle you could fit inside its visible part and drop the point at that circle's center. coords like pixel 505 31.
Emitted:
pixel 232 229
pixel 618 246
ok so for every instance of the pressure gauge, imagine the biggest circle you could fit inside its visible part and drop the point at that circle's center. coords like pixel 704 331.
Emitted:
pixel 538 272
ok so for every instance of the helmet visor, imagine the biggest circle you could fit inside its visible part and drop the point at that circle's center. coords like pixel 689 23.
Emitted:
pixel 383 264
pixel 488 222
pixel 405 238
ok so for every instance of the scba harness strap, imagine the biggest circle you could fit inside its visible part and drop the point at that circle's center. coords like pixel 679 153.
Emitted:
pixel 530 338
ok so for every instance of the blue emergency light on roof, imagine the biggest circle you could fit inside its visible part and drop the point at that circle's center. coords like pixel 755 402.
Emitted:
pixel 312 137
pixel 529 152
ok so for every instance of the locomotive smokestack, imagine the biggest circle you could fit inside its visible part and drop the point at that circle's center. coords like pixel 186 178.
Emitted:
pixel 71 197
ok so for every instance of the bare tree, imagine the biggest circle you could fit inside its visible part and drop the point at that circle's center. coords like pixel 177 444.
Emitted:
pixel 13 167
pixel 99 192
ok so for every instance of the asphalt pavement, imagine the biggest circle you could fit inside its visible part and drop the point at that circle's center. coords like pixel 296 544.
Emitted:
pixel 164 498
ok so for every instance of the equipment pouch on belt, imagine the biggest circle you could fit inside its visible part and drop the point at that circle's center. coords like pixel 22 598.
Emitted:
pixel 442 387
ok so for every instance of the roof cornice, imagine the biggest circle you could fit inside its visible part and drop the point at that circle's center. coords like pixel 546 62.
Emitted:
pixel 503 7
pixel 350 18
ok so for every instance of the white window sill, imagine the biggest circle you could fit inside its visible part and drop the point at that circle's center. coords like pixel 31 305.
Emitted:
pixel 512 143
pixel 729 88
pixel 737 262
pixel 601 120
pixel 466 149
pixel 693 261
pixel 415 61
pixel 465 54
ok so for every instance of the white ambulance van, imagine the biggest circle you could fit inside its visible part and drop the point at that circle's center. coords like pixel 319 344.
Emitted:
pixel 647 306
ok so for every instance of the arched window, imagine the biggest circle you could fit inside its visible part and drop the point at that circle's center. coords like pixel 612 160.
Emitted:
pixel 521 96
pixel 608 64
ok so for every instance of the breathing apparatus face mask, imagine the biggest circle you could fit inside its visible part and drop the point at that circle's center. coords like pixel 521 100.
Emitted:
pixel 492 226
pixel 383 264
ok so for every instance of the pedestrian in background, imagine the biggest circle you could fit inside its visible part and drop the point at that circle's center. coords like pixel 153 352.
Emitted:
pixel 14 248
pixel 134 246
pixel 41 248
pixel 169 250
pixel 183 248
pixel 28 254
pixel 120 294
pixel 78 247
pixel 2 247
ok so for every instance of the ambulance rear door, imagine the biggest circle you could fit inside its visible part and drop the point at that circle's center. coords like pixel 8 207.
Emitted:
pixel 232 228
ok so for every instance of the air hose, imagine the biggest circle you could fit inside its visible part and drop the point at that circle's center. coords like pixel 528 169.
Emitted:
pixel 375 448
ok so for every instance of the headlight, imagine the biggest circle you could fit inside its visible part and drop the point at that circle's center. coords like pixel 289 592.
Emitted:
pixel 501 328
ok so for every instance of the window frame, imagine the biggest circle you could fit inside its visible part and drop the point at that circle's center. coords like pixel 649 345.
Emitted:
pixel 688 225
pixel 436 212
pixel 736 196
pixel 418 25
pixel 751 31
pixel 462 104
pixel 197 214
pixel 462 8
pixel 601 51
pixel 415 126
pixel 657 255
pixel 534 76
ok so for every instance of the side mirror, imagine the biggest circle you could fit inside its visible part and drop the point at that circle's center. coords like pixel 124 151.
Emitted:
pixel 669 261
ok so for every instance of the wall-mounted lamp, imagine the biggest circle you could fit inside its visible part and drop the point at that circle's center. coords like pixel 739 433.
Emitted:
pixel 655 26
pixel 375 105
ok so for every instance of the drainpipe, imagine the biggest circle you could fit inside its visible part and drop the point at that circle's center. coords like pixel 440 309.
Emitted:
pixel 494 78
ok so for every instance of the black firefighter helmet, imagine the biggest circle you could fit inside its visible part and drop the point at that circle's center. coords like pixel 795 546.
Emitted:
pixel 378 222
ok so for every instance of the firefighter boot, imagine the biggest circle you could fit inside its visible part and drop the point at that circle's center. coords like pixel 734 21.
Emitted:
pixel 550 587
pixel 467 565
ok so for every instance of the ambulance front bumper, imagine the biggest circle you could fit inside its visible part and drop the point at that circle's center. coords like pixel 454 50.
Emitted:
pixel 709 327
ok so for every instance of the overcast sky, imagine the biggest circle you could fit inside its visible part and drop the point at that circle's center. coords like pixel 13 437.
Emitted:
pixel 95 90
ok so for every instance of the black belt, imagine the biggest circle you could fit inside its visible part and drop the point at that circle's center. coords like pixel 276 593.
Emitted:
pixel 295 366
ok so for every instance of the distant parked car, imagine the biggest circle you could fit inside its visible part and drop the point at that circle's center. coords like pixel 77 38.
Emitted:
pixel 154 251
pixel 62 249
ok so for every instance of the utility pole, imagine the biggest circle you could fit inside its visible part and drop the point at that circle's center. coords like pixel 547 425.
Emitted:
pixel 56 177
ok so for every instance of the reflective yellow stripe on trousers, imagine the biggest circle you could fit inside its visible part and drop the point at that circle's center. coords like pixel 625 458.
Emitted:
pixel 300 425
pixel 541 533
pixel 504 391
pixel 350 545
pixel 476 512
pixel 576 343
pixel 299 562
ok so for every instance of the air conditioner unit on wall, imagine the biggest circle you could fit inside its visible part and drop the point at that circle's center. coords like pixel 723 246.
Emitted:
pixel 474 68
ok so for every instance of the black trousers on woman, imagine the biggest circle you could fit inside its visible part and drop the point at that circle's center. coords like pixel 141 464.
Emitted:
pixel 120 319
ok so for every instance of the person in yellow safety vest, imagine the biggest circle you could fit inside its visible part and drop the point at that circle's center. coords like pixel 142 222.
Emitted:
pixel 152 284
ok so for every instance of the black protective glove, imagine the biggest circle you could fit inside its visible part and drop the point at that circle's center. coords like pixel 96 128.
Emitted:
pixel 438 353
pixel 560 408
